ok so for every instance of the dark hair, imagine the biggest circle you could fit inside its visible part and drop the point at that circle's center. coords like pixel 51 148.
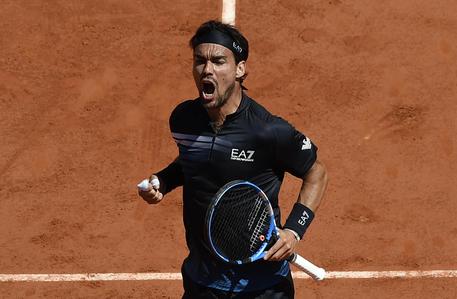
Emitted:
pixel 227 29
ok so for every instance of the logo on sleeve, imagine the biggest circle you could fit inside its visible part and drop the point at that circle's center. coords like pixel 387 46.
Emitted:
pixel 242 155
pixel 306 144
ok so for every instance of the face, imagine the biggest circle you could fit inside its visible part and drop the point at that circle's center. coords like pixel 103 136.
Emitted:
pixel 215 72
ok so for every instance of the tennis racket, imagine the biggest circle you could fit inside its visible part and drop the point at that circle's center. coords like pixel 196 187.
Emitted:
pixel 241 226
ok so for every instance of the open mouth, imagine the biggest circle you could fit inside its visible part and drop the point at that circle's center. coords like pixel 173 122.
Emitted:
pixel 208 90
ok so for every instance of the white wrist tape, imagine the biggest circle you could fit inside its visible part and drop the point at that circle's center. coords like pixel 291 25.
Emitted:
pixel 155 183
pixel 145 185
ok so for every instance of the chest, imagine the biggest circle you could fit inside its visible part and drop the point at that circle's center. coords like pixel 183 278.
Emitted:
pixel 238 154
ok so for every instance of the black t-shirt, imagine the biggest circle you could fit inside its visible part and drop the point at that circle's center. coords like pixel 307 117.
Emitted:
pixel 252 145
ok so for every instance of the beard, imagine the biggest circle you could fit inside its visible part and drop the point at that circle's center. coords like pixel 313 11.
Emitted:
pixel 220 100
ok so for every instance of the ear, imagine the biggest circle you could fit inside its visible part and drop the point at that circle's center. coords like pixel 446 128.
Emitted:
pixel 241 69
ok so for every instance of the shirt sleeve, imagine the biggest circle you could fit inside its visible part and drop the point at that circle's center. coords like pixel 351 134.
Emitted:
pixel 295 152
pixel 172 176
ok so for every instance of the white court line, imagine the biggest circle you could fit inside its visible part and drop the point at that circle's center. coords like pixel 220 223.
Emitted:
pixel 177 276
pixel 228 12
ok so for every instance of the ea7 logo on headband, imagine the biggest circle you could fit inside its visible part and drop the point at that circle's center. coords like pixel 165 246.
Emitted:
pixel 237 47
pixel 306 144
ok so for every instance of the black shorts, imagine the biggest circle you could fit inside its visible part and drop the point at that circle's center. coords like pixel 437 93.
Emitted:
pixel 283 290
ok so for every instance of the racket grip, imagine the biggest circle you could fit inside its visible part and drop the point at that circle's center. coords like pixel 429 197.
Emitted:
pixel 309 268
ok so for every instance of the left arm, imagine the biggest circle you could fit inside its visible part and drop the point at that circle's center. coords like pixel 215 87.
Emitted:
pixel 311 194
pixel 313 187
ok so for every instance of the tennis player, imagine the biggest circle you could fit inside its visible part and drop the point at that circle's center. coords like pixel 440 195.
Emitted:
pixel 224 135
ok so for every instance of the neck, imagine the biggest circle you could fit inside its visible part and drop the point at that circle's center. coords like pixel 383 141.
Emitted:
pixel 218 115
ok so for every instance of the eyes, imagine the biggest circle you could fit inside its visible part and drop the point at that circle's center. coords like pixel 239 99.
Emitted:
pixel 215 60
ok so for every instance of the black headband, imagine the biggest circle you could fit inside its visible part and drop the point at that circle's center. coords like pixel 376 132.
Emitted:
pixel 218 37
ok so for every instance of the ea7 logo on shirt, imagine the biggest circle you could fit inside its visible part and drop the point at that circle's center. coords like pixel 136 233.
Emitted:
pixel 306 144
pixel 242 155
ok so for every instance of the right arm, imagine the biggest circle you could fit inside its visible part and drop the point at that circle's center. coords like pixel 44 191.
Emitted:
pixel 169 178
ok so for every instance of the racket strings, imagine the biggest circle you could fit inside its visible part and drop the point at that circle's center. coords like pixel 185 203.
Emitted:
pixel 258 235
pixel 254 212
pixel 227 230
pixel 240 223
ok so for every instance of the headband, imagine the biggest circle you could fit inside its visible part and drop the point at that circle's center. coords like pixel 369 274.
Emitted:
pixel 218 37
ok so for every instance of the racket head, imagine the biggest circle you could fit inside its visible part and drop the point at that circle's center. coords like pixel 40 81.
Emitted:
pixel 240 223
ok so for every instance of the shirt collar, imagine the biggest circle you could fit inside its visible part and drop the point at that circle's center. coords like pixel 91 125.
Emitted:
pixel 244 103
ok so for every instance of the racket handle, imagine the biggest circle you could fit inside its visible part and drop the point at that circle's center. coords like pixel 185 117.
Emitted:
pixel 306 266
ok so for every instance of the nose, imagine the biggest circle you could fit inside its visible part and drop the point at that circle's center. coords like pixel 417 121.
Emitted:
pixel 209 68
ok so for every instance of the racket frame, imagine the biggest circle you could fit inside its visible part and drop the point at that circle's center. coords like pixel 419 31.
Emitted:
pixel 260 253
pixel 317 273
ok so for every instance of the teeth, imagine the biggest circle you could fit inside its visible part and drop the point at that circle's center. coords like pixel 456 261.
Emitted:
pixel 207 96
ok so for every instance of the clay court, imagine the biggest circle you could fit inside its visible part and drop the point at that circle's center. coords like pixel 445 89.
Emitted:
pixel 86 89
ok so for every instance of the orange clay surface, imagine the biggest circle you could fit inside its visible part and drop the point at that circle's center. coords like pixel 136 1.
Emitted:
pixel 86 88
